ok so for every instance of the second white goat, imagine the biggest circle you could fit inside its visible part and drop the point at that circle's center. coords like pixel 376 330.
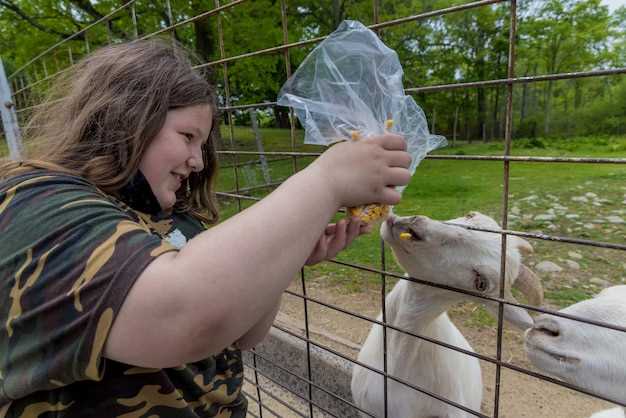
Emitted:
pixel 457 257
pixel 585 355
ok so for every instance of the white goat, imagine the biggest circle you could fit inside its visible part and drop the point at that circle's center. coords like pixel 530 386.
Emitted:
pixel 586 355
pixel 456 257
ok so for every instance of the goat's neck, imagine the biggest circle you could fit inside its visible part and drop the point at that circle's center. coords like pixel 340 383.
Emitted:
pixel 417 306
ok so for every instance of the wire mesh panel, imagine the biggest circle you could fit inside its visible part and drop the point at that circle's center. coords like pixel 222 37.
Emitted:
pixel 327 312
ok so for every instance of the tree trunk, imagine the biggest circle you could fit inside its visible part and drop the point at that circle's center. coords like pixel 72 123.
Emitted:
pixel 465 118
pixel 496 113
pixel 547 108
pixel 522 115
pixel 456 120
pixel 281 114
pixel 567 116
pixel 578 97
pixel 432 129
pixel 205 45
pixel 338 13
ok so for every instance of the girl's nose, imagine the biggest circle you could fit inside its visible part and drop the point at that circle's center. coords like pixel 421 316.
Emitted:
pixel 195 163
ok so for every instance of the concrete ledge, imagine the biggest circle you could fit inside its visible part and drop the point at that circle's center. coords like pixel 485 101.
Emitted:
pixel 328 371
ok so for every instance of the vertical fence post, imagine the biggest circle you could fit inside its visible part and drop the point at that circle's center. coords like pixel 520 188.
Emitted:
pixel 9 117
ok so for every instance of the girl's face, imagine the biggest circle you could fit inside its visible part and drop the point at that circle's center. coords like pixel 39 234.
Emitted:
pixel 176 151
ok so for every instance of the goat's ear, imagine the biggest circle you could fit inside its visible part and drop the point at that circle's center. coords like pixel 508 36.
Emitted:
pixel 530 285
pixel 522 245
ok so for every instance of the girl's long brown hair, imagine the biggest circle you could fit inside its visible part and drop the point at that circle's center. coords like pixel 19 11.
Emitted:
pixel 100 116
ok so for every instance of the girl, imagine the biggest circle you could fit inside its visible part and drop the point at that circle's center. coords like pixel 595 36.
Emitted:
pixel 114 299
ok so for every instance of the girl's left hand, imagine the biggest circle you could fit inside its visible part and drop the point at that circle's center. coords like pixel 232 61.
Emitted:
pixel 336 237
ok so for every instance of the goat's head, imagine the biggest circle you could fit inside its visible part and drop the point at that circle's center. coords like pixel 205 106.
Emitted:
pixel 586 355
pixel 462 258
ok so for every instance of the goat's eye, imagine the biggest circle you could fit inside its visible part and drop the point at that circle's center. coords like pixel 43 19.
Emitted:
pixel 480 283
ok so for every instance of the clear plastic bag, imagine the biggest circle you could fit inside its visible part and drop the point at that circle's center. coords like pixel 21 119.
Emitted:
pixel 353 82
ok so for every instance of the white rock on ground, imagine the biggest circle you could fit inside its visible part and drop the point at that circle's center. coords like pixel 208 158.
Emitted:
pixel 600 282
pixel 548 267
pixel 582 199
pixel 575 255
pixel 531 197
pixel 615 219
pixel 572 216
pixel 588 226
pixel 591 195
pixel 545 217
pixel 571 264
pixel 515 210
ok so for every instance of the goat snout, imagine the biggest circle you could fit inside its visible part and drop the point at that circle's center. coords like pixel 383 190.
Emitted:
pixel 546 329
pixel 391 220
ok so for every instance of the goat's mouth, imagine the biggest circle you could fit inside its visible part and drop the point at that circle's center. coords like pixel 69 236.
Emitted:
pixel 542 353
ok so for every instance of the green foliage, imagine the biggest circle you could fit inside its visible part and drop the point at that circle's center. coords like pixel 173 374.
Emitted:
pixel 531 143
pixel 567 297
pixel 553 36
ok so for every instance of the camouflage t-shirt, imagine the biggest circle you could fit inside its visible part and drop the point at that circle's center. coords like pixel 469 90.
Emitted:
pixel 69 254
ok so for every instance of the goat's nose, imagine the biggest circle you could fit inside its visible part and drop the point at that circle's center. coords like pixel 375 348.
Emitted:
pixel 391 220
pixel 548 329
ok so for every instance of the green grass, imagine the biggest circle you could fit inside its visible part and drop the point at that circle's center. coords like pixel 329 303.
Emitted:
pixel 444 189
pixel 4 149
pixel 566 297
pixel 480 317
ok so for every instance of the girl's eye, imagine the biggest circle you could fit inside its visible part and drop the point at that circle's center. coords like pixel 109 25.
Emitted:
pixel 188 137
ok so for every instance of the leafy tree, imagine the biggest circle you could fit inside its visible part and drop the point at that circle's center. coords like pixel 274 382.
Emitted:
pixel 553 36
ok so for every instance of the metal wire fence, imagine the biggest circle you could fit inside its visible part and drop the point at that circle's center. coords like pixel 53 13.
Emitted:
pixel 34 75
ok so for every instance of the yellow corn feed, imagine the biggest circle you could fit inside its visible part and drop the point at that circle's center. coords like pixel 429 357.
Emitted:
pixel 373 211
pixel 405 235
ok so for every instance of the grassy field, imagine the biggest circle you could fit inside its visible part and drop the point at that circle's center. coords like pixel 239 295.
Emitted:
pixel 444 189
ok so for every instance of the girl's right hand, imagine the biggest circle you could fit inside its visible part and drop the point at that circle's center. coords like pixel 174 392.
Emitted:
pixel 365 171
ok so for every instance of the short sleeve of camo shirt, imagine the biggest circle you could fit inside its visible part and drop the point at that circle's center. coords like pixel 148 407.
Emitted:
pixel 68 256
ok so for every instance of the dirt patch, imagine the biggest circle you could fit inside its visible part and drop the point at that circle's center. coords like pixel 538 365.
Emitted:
pixel 520 395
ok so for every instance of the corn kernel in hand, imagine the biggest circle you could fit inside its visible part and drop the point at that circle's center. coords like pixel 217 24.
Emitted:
pixel 369 213
pixel 375 211
pixel 405 236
